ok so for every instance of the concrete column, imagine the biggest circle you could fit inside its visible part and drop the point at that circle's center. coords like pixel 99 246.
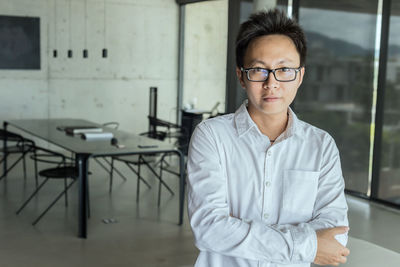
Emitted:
pixel 259 5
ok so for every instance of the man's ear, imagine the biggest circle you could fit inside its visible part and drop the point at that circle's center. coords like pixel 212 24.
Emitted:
pixel 240 75
pixel 302 72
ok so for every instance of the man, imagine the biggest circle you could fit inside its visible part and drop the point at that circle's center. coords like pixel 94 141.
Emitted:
pixel 265 188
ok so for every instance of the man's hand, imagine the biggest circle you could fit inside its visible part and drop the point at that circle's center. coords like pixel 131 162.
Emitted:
pixel 329 250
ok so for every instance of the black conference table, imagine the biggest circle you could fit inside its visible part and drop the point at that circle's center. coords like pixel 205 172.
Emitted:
pixel 49 130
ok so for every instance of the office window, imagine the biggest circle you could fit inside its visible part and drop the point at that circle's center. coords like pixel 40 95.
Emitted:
pixel 344 52
pixel 389 176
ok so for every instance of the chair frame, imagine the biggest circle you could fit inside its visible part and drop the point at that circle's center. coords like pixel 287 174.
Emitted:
pixel 142 161
pixel 63 162
pixel 22 146
pixel 152 132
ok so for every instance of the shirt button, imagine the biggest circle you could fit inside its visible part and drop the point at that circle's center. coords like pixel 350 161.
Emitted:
pixel 267 184
pixel 266 215
pixel 269 153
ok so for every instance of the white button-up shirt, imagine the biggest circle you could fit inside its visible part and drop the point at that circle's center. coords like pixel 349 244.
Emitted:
pixel 253 204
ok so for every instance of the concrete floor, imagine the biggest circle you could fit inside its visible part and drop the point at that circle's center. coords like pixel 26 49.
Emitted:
pixel 143 234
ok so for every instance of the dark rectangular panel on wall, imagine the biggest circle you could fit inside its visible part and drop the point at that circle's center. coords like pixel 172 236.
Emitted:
pixel 19 42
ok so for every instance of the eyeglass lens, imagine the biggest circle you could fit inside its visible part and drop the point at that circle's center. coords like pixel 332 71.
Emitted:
pixel 280 74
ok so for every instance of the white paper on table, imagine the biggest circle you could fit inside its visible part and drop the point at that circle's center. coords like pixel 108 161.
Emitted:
pixel 97 136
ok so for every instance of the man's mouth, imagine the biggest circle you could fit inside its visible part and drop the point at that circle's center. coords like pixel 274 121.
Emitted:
pixel 271 98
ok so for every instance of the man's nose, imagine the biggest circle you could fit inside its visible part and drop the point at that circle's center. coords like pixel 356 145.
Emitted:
pixel 271 82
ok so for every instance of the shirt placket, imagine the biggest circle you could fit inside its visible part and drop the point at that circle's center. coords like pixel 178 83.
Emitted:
pixel 267 185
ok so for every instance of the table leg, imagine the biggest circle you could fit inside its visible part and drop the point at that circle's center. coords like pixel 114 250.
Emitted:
pixel 82 164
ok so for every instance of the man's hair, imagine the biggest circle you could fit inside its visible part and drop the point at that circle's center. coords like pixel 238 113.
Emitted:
pixel 266 23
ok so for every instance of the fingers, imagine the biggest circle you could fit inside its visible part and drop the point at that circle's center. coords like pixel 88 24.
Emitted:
pixel 340 230
pixel 334 231
pixel 329 250
pixel 342 259
pixel 337 261
pixel 345 252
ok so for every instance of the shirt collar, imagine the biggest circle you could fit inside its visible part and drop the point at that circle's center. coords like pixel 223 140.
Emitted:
pixel 294 126
pixel 244 123
pixel 243 120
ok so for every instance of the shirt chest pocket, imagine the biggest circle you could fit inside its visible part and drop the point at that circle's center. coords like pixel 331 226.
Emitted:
pixel 299 194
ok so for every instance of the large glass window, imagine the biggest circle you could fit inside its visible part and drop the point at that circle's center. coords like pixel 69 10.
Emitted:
pixel 337 90
pixel 389 177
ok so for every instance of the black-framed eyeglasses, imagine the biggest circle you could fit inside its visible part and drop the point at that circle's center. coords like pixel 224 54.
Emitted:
pixel 281 74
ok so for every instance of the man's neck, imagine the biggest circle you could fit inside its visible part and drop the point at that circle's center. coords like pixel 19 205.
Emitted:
pixel 271 125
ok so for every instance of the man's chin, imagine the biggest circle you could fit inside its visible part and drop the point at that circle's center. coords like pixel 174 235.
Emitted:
pixel 272 110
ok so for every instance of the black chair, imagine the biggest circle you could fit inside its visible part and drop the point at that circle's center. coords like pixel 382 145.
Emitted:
pixel 16 144
pixel 170 131
pixel 106 163
pixel 130 162
pixel 179 136
pixel 161 130
pixel 138 161
pixel 64 170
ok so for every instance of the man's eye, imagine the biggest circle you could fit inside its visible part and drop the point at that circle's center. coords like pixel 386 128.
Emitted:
pixel 259 70
pixel 285 69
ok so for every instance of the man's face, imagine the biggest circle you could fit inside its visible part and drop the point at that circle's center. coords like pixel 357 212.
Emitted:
pixel 271 52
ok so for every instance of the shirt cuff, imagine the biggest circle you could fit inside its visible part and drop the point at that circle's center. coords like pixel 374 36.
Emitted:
pixel 304 243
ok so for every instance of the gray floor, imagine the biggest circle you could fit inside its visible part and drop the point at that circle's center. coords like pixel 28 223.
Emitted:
pixel 143 234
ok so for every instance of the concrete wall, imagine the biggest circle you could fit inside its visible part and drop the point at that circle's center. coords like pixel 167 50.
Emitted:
pixel 142 43
pixel 206 29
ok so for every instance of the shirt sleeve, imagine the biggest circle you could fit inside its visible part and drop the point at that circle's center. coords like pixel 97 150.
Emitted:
pixel 216 231
pixel 330 209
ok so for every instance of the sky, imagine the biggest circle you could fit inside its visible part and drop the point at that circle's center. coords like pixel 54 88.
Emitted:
pixel 352 27
pixel 356 28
